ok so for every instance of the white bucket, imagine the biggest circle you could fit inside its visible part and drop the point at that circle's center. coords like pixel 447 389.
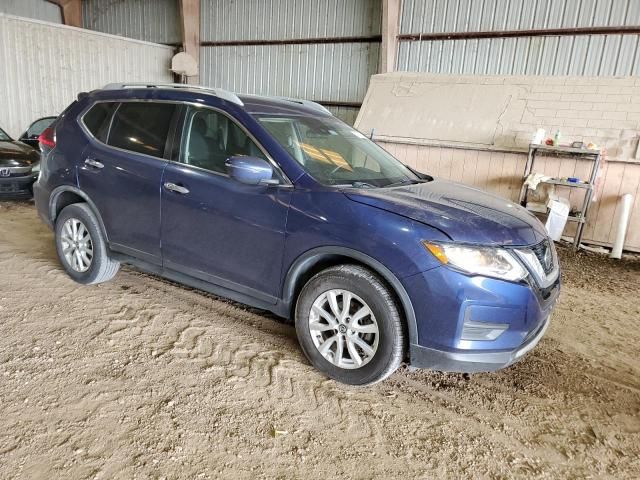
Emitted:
pixel 557 218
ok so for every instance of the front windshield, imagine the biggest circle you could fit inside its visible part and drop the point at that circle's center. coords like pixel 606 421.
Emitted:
pixel 336 154
pixel 4 137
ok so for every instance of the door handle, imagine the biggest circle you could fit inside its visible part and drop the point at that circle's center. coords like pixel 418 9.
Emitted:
pixel 176 188
pixel 93 163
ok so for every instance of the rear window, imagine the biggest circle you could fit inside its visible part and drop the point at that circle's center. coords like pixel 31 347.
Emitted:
pixel 97 119
pixel 142 127
pixel 39 126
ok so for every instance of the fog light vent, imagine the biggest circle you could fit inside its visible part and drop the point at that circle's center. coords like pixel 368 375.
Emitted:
pixel 482 330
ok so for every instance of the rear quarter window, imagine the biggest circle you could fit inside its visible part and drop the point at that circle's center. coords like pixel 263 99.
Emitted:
pixel 98 119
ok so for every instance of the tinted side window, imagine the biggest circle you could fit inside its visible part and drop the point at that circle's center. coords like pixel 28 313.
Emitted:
pixel 142 127
pixel 210 137
pixel 98 118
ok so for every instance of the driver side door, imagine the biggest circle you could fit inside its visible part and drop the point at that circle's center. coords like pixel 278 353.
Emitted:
pixel 213 227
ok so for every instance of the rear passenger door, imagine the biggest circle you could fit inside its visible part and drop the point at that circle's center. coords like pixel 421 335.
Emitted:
pixel 121 171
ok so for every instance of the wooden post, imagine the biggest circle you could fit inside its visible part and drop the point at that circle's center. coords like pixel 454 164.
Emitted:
pixel 390 29
pixel 190 23
pixel 71 11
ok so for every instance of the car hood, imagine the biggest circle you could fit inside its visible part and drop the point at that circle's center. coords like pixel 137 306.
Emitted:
pixel 464 214
pixel 17 154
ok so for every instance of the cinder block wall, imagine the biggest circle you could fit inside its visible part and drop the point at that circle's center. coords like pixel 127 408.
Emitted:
pixel 476 130
pixel 602 110
pixel 504 112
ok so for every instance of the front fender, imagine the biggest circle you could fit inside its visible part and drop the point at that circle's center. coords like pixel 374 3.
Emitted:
pixel 316 255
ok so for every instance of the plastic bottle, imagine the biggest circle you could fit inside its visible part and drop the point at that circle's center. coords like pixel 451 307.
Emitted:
pixel 556 138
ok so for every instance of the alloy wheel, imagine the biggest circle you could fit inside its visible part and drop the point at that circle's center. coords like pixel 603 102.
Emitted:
pixel 344 329
pixel 77 246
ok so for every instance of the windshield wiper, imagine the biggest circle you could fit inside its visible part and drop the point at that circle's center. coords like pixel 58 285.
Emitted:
pixel 362 185
pixel 356 184
pixel 406 181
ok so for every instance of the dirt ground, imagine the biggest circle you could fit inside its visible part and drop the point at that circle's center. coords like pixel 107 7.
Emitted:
pixel 140 378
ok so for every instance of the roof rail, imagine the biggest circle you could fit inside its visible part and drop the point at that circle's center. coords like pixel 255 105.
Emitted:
pixel 306 103
pixel 218 92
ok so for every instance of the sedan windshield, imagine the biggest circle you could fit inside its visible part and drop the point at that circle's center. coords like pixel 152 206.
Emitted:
pixel 4 137
pixel 336 154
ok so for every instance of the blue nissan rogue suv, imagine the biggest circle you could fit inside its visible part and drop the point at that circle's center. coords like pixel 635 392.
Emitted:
pixel 274 203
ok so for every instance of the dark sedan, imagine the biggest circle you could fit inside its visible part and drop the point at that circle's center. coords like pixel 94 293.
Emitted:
pixel 19 167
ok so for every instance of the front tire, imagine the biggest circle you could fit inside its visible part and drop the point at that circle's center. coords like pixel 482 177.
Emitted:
pixel 81 246
pixel 349 325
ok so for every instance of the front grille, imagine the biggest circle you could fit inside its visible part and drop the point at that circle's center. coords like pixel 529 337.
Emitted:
pixel 12 187
pixel 6 172
pixel 541 261
pixel 544 255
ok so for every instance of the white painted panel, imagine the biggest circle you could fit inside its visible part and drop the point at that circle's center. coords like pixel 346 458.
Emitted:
pixel 45 66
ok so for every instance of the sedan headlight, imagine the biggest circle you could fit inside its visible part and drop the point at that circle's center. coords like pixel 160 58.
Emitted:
pixel 486 261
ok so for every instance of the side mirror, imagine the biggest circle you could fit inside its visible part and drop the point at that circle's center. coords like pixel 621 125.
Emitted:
pixel 250 170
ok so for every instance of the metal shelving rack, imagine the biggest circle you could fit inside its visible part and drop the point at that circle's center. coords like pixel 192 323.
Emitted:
pixel 594 155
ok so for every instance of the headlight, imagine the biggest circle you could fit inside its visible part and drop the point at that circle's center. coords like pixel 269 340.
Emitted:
pixel 486 261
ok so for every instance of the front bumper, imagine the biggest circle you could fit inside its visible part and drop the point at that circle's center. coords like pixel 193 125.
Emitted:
pixel 473 362
pixel 17 187
pixel 508 319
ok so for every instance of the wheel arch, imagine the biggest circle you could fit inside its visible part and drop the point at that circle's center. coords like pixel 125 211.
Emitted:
pixel 317 259
pixel 66 195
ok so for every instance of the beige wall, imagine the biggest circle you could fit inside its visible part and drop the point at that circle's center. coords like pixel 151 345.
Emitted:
pixel 476 130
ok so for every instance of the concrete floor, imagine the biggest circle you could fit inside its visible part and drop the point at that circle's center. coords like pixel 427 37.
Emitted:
pixel 140 378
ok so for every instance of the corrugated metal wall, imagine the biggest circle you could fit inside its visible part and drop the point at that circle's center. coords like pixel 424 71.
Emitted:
pixel 149 20
pixel 331 72
pixel 36 9
pixel 45 66
pixel 288 19
pixel 589 55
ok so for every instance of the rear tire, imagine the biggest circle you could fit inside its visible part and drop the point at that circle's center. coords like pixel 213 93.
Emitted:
pixel 81 246
pixel 349 325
